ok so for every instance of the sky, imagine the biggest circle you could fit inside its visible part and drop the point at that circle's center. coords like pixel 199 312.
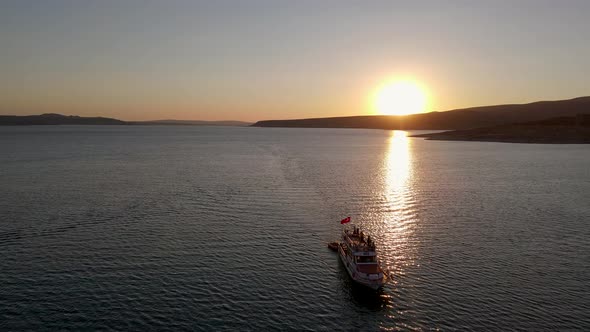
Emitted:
pixel 282 59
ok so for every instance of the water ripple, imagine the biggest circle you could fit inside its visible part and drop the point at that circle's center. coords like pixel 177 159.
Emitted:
pixel 226 229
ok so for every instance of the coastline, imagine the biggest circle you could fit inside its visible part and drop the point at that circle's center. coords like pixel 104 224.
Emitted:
pixel 517 133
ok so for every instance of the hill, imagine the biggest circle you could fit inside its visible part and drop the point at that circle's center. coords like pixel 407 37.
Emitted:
pixel 561 130
pixel 465 118
pixel 56 119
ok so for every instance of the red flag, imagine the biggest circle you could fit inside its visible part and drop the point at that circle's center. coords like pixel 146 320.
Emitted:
pixel 345 220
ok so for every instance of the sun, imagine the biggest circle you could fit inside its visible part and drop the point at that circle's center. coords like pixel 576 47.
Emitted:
pixel 400 98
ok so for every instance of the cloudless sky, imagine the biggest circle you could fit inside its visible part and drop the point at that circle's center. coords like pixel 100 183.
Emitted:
pixel 254 60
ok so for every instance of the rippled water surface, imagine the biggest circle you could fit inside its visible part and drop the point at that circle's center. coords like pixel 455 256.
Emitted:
pixel 203 228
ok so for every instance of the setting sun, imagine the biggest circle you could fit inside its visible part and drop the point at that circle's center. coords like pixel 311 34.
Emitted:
pixel 400 98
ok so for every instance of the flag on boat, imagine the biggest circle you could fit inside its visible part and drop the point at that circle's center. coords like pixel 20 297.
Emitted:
pixel 345 220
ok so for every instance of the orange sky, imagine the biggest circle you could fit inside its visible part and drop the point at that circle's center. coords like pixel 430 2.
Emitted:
pixel 268 60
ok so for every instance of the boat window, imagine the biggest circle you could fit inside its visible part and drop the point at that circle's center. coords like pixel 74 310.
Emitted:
pixel 366 259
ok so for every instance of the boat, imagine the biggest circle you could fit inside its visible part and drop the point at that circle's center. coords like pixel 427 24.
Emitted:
pixel 358 254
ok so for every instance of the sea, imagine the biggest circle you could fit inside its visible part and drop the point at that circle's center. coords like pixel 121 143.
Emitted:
pixel 157 228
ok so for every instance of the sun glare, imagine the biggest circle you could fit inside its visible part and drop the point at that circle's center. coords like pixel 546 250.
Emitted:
pixel 400 98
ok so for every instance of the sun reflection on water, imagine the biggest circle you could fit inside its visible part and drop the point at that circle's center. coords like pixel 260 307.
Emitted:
pixel 398 215
pixel 398 164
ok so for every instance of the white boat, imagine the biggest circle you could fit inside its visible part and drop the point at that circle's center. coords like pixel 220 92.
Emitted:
pixel 358 254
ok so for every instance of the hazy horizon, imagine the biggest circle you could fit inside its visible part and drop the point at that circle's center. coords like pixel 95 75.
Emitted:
pixel 262 60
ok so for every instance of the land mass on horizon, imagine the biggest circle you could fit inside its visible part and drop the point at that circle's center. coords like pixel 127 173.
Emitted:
pixel 561 121
pixel 59 119
pixel 561 130
pixel 457 119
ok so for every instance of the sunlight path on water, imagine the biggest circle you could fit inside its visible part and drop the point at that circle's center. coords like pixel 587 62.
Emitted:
pixel 397 219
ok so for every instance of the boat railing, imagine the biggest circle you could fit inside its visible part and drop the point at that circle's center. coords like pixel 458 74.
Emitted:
pixel 362 244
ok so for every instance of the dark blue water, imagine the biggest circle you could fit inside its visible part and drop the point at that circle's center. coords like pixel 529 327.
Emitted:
pixel 202 228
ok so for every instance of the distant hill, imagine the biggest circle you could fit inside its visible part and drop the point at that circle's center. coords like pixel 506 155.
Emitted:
pixel 193 123
pixel 561 130
pixel 465 118
pixel 56 119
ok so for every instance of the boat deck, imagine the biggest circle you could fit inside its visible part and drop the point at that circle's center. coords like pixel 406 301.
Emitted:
pixel 360 243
